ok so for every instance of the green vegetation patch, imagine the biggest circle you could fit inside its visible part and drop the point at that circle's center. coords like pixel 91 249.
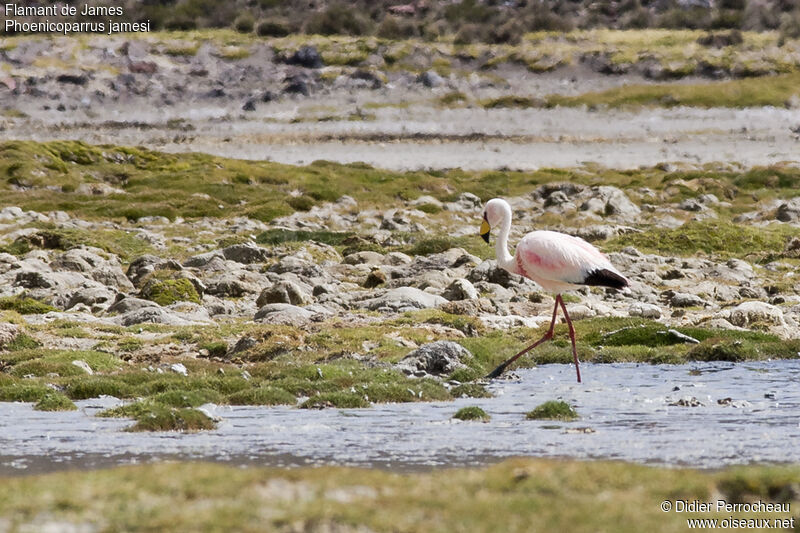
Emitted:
pixel 724 239
pixel 775 91
pixel 472 413
pixel 262 396
pixel 155 416
pixel 24 305
pixel 553 410
pixel 55 402
pixel 513 495
pixel 169 291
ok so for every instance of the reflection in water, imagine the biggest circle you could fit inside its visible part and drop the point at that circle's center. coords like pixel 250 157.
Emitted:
pixel 627 406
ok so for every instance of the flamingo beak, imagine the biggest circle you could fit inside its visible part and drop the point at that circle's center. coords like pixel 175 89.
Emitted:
pixel 485 228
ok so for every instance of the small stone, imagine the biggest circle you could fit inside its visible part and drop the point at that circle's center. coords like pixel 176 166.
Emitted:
pixel 460 289
pixel 83 365
pixel 178 368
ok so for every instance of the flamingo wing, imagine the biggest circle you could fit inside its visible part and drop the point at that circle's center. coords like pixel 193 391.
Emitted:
pixel 551 259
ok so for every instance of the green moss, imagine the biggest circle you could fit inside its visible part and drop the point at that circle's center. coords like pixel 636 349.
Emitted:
pixel 453 98
pixel 23 392
pixel 721 238
pixel 44 362
pixel 279 236
pixel 520 494
pixel 470 390
pixel 55 402
pixel 749 92
pixel 552 410
pixel 24 305
pixel 154 416
pixel 510 101
pixel 261 396
pixel 169 291
pixel 22 342
pixel 472 413
pixel 215 348
pixel 187 398
pixel 342 400
pixel 95 386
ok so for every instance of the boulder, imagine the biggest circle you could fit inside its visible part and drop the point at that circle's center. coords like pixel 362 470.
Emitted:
pixel 246 253
pixel 437 358
pixel 403 299
pixel 460 289
pixel 284 292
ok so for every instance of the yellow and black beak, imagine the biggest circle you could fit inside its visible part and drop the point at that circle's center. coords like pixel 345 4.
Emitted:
pixel 485 228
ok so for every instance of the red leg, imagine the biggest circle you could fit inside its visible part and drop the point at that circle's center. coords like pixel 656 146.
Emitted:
pixel 547 336
pixel 572 338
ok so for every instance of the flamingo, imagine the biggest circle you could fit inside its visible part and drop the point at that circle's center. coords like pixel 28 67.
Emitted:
pixel 556 261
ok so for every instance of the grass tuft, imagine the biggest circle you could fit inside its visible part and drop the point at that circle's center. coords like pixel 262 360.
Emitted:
pixel 472 413
pixel 553 410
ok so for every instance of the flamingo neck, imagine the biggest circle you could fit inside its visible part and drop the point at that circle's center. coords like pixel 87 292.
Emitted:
pixel 504 259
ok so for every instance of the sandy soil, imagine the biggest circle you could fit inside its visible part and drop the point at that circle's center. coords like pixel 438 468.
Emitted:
pixel 424 136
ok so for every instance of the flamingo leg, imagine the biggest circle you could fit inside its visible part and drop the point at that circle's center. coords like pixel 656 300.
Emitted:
pixel 547 336
pixel 572 339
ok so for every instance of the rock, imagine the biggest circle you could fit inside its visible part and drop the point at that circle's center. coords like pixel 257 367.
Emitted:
pixel 111 276
pixel 73 79
pixel 430 79
pixel 145 265
pixel 749 313
pixel 246 253
pixel 688 401
pixel 490 272
pixel 719 323
pixel 8 332
pixel 243 344
pixel 97 298
pixel 179 368
pixel 427 200
pixel 370 79
pixel 154 315
pixel 296 85
pixel 283 314
pixel 236 284
pixel 397 259
pixel 130 303
pixel 469 307
pixel 789 211
pixel 682 299
pixel 83 365
pixel 364 258
pixel 607 200
pixel 300 267
pixel 460 289
pixel 205 260
pixel 249 105
pixel 403 299
pixel 437 358
pixel 306 56
pixel 580 311
pixel 285 292
pixel 644 310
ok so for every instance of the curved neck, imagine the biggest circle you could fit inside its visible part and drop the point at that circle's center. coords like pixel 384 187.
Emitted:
pixel 504 259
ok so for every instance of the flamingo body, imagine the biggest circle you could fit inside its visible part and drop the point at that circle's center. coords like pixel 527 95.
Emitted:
pixel 560 262
pixel 556 261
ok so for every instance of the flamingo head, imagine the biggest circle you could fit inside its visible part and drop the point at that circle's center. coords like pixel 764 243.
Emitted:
pixel 493 213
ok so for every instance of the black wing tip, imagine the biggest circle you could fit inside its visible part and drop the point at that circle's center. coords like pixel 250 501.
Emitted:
pixel 605 278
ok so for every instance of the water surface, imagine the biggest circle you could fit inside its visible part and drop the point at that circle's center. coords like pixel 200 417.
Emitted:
pixel 625 415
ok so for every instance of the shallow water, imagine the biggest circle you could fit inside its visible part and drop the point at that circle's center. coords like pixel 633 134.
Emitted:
pixel 626 406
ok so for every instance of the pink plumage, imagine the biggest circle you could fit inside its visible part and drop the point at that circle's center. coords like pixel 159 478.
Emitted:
pixel 556 261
